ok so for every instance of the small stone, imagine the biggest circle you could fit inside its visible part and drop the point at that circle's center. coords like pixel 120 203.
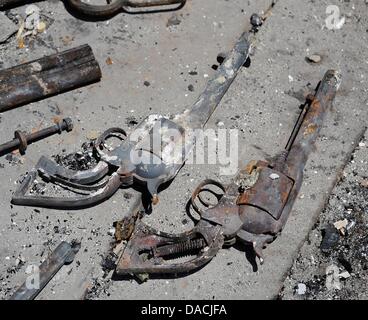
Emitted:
pixel 350 225
pixel 344 275
pixel 301 289
pixel 220 124
pixel 111 231
pixel 362 144
pixel 274 176
pixel 364 183
pixel 341 225
pixel 67 40
pixel 330 239
pixel 20 261
pixel 191 88
pixel 41 27
pixel 173 21
pixel 256 20
pixel 146 83
pixel 109 61
pixel 92 135
pixel 314 58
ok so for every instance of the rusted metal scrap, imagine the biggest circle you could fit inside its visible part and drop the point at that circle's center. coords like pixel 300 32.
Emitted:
pixel 63 254
pixel 47 76
pixel 117 6
pixel 109 8
pixel 151 155
pixel 252 210
pixel 22 139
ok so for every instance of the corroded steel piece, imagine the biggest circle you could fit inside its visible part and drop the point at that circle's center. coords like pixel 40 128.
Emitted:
pixel 63 254
pixel 22 139
pixel 151 155
pixel 47 76
pixel 252 210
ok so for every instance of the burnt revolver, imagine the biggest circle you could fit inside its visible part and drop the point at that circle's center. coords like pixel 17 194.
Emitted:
pixel 151 155
pixel 252 210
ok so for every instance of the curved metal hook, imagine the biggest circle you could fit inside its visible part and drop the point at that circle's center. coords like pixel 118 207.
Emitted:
pixel 110 9
pixel 200 188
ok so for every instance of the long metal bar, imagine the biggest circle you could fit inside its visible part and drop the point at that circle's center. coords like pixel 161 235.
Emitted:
pixel 253 216
pixel 63 254
pixel 21 139
pixel 308 133
pixel 47 76
pixel 217 87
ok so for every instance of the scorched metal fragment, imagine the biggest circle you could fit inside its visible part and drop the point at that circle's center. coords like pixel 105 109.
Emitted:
pixel 252 210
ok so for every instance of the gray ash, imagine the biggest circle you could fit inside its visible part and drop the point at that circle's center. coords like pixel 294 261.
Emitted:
pixel 81 160
pixel 38 187
pixel 13 159
pixel 347 250
pixel 109 262
pixel 99 287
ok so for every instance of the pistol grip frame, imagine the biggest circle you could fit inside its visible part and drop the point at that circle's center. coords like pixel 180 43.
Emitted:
pixel 139 254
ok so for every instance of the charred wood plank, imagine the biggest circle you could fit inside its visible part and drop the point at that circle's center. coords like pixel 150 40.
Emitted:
pixel 47 76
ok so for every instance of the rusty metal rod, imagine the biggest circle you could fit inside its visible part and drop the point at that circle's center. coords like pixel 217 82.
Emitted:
pixel 63 254
pixel 47 76
pixel 22 139
pixel 216 88
pixel 308 132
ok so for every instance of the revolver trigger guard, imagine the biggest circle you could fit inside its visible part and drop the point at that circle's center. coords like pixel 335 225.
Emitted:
pixel 197 195
pixel 99 144
pixel 147 249
pixel 95 193
pixel 82 177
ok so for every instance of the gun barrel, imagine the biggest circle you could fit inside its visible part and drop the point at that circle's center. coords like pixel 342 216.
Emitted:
pixel 313 120
pixel 308 133
pixel 217 87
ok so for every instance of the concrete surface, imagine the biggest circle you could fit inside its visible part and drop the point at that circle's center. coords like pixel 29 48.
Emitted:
pixel 345 259
pixel 264 98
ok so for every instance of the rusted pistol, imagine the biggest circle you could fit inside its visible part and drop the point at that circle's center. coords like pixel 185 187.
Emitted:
pixel 253 209
pixel 109 7
pixel 151 155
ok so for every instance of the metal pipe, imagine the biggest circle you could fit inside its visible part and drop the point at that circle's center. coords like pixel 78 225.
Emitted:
pixel 22 140
pixel 47 76
pixel 63 254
